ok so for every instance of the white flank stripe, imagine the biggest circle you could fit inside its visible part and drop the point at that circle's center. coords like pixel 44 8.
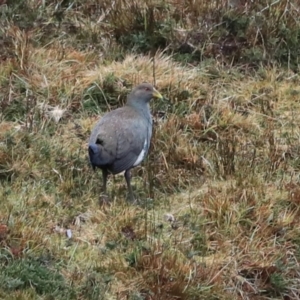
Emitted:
pixel 141 155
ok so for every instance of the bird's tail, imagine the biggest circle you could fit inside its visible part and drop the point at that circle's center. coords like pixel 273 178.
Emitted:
pixel 97 156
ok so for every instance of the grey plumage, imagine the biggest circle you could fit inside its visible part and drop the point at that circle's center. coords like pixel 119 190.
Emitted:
pixel 121 138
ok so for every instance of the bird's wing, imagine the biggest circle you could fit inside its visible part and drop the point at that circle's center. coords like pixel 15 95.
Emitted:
pixel 131 142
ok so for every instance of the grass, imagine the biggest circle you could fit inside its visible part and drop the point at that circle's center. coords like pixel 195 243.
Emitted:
pixel 219 193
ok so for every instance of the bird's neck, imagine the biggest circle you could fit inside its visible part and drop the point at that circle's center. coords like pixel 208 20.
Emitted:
pixel 142 107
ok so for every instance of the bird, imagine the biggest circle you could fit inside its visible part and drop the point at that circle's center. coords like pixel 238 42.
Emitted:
pixel 120 140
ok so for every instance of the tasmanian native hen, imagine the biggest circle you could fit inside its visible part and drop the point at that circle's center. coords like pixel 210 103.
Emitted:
pixel 121 138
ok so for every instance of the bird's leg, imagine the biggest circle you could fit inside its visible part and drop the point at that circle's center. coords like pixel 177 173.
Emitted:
pixel 128 178
pixel 104 175
pixel 104 199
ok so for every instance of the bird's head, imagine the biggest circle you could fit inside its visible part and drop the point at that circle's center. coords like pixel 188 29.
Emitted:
pixel 143 93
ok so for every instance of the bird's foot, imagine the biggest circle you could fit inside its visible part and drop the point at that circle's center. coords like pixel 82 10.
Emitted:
pixel 132 199
pixel 104 199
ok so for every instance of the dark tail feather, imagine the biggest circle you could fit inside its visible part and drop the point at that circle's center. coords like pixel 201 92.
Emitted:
pixel 98 156
pixel 94 153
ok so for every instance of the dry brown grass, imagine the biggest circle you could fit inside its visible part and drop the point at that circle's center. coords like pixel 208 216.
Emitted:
pixel 219 199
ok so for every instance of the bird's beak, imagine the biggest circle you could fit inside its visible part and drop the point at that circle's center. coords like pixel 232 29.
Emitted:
pixel 157 94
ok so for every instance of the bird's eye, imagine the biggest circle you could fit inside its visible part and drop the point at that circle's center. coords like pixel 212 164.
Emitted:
pixel 147 89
